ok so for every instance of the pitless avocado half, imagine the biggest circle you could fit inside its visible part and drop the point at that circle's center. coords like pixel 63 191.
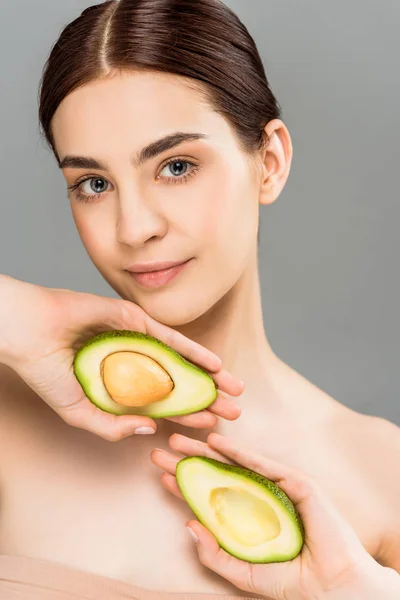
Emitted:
pixel 128 372
pixel 249 515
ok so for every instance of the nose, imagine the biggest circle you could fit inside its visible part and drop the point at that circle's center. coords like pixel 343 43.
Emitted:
pixel 139 220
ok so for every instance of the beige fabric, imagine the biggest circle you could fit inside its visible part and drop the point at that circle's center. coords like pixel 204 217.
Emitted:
pixel 31 579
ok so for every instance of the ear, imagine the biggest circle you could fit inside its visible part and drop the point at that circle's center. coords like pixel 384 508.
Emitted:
pixel 276 158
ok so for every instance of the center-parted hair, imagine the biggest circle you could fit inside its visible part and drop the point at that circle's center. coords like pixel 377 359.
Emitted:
pixel 202 40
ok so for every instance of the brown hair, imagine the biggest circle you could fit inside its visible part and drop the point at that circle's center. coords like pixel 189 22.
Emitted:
pixel 202 40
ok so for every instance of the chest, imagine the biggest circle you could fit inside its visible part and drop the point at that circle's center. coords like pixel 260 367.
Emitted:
pixel 71 497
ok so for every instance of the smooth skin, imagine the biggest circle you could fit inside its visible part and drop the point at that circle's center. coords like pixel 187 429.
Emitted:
pixel 332 565
pixel 58 477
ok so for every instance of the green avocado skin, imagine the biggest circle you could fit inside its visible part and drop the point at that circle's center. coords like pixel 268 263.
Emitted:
pixel 261 480
pixel 114 336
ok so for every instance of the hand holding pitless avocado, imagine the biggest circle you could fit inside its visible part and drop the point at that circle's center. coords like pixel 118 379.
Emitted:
pixel 41 330
pixel 252 510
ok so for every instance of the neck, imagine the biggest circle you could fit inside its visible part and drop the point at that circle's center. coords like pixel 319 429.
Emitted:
pixel 234 329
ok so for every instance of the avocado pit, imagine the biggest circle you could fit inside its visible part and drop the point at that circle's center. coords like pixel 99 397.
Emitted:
pixel 133 379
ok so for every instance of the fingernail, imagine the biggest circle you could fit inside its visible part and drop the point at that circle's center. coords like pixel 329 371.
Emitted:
pixel 192 533
pixel 144 430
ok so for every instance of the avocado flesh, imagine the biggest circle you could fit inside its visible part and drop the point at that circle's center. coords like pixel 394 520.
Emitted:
pixel 249 515
pixel 193 389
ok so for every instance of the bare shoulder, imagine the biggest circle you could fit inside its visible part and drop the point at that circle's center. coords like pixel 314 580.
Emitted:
pixel 380 429
pixel 389 432
pixel 373 444
pixel 388 437
pixel 380 439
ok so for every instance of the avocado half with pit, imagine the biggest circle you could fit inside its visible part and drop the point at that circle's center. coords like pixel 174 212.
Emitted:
pixel 128 372
pixel 249 515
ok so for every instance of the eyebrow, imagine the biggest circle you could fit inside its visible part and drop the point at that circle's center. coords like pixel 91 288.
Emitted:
pixel 148 152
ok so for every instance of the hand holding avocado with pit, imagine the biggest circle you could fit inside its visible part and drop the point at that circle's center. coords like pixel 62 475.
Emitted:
pixel 42 329
pixel 268 528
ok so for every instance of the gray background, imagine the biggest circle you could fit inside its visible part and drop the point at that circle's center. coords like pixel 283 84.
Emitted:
pixel 329 246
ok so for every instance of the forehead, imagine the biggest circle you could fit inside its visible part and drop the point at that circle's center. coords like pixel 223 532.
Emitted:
pixel 131 109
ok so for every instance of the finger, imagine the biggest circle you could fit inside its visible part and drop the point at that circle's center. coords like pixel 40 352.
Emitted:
pixel 299 484
pixel 200 420
pixel 242 455
pixel 215 558
pixel 194 352
pixel 327 533
pixel 225 408
pixel 170 484
pixel 75 408
pixel 167 461
pixel 192 447
pixel 228 383
pixel 197 354
pixel 85 415
pixel 164 460
pixel 222 407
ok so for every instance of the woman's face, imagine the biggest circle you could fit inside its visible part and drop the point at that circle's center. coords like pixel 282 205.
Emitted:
pixel 195 201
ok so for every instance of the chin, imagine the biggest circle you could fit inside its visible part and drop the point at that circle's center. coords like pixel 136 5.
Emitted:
pixel 172 314
pixel 175 306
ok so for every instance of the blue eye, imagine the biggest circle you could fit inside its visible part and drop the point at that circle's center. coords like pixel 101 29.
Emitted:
pixel 177 167
pixel 178 170
pixel 94 185
pixel 90 188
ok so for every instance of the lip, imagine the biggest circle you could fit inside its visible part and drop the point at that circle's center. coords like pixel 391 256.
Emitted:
pixel 150 267
pixel 155 275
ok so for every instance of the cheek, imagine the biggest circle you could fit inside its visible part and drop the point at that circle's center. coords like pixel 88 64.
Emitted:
pixel 92 227
pixel 229 217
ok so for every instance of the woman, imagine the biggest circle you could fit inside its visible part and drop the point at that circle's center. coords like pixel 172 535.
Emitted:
pixel 137 96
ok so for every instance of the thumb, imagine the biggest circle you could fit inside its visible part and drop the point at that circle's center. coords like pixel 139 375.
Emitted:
pixel 329 537
pixel 64 394
pixel 211 555
pixel 113 428
pixel 89 314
